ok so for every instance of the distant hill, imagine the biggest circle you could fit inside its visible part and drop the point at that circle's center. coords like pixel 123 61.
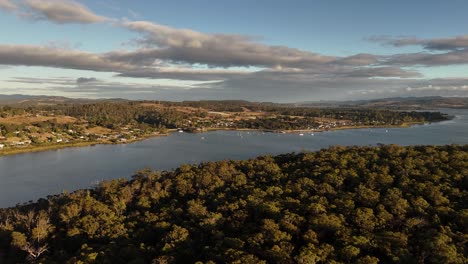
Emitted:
pixel 23 100
pixel 397 102
pixel 394 102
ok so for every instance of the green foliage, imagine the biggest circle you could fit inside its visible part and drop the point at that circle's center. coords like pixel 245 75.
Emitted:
pixel 387 204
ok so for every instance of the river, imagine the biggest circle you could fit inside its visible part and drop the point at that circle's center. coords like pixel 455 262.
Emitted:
pixel 30 176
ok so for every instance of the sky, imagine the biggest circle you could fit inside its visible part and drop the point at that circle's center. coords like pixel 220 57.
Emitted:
pixel 275 51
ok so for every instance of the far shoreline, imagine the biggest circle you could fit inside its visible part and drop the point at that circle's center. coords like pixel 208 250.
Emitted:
pixel 44 148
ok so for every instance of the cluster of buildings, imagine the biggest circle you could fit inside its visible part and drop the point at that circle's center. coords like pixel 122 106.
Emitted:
pixel 25 137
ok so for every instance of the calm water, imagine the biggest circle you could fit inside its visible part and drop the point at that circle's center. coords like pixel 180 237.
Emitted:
pixel 30 176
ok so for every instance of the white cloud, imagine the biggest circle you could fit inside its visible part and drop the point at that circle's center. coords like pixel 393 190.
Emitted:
pixel 56 11
pixel 62 11
pixel 29 55
pixel 224 50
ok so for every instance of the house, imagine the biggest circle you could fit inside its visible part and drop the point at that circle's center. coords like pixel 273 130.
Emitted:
pixel 59 140
pixel 2 146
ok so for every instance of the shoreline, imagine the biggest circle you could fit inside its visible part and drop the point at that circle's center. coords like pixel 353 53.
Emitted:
pixel 43 148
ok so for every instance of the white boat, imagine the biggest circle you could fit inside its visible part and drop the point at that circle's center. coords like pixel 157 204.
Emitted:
pixel 301 134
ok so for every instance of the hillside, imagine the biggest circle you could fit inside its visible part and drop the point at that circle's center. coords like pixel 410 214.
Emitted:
pixel 430 102
pixel 386 204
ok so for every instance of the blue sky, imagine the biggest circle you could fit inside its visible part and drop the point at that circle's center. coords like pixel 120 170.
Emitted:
pixel 256 50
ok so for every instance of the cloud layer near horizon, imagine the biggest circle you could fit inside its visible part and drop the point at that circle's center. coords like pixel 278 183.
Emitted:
pixel 233 66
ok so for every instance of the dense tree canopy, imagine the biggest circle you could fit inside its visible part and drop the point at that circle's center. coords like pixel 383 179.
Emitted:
pixel 385 204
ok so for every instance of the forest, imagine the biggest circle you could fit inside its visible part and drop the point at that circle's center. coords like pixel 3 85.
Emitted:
pixel 383 204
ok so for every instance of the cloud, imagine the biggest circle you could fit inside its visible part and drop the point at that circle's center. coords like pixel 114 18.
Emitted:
pixel 184 46
pixel 227 66
pixel 56 11
pixel 106 89
pixel 162 45
pixel 223 50
pixel 437 51
pixel 456 57
pixel 259 86
pixel 29 55
pixel 84 80
pixel 280 87
pixel 359 59
pixel 62 11
pixel 185 74
pixel 383 72
pixel 32 80
pixel 441 44
pixel 395 41
pixel 48 56
pixel 435 87
pixel 275 84
pixel 7 5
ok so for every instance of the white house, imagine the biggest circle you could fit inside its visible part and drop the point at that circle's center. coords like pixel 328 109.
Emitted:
pixel 2 146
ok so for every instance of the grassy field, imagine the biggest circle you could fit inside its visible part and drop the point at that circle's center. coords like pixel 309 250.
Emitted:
pixel 29 119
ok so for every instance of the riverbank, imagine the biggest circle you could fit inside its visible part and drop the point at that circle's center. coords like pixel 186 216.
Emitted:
pixel 49 147
pixel 404 125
